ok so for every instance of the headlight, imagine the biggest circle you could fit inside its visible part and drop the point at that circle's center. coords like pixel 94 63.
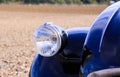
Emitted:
pixel 48 39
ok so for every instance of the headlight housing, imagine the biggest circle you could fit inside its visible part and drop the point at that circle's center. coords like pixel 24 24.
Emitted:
pixel 48 39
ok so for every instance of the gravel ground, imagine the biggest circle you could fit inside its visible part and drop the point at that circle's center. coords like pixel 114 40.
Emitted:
pixel 16 34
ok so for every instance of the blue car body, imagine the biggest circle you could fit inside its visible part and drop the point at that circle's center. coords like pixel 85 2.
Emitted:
pixel 87 49
pixel 103 41
pixel 61 65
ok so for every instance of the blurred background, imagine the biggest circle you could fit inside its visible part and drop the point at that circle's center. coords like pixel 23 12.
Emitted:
pixel 20 18
pixel 59 1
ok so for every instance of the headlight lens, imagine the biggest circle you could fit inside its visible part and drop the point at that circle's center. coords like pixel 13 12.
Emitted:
pixel 48 39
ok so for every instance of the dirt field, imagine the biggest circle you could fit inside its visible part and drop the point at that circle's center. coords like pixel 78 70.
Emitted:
pixel 18 23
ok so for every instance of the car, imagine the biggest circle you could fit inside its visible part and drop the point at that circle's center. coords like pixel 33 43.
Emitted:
pixel 79 52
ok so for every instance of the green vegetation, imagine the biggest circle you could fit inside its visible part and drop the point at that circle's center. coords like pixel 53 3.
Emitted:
pixel 53 1
pixel 57 1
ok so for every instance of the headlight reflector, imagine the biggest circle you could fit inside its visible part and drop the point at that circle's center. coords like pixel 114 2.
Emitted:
pixel 48 39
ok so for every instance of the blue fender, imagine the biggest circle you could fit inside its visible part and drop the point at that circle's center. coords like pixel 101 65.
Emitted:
pixel 103 41
pixel 46 67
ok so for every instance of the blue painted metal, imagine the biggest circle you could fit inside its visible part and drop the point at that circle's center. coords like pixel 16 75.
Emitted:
pixel 103 41
pixel 46 67
pixel 51 66
pixel 76 38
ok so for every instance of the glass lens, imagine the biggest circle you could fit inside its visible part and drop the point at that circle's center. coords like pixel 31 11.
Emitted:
pixel 48 41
